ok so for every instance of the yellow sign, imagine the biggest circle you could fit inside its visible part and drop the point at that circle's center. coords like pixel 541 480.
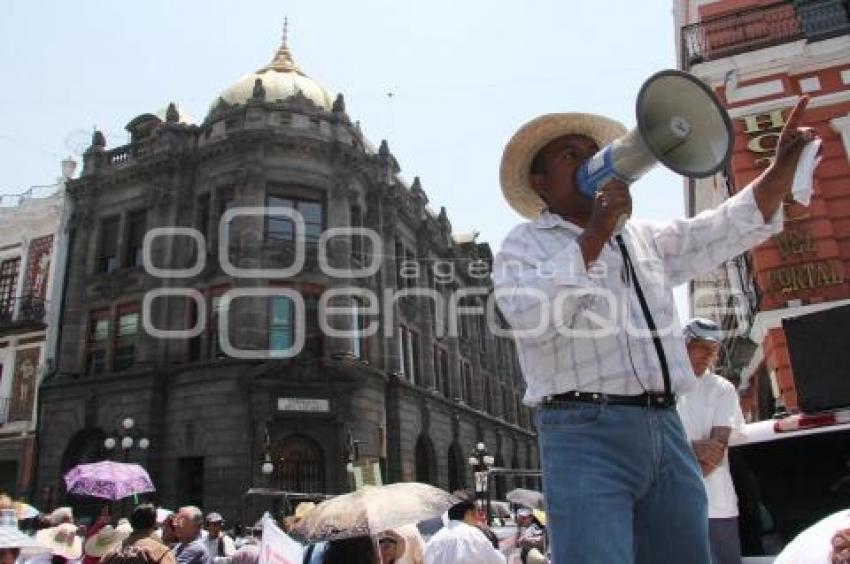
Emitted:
pixel 794 243
pixel 806 276
pixel 767 126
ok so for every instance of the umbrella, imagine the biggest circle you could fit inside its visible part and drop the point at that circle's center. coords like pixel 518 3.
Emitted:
pixel 373 509
pixel 108 480
pixel 528 498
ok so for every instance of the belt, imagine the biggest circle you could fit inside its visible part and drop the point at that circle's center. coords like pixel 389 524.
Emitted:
pixel 657 400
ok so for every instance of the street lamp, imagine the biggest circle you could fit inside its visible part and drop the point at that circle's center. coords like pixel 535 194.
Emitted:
pixel 268 466
pixel 127 436
pixel 481 461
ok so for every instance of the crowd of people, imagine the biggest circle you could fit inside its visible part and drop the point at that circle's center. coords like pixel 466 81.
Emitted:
pixel 149 535
pixel 154 535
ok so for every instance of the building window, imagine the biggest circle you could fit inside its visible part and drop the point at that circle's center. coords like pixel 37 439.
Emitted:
pixel 356 239
pixel 441 370
pixel 96 341
pixel 281 228
pixel 213 342
pixel 137 225
pixel 406 269
pixel 359 321
pixel 280 324
pixel 313 332
pixel 9 272
pixel 204 215
pixel 194 350
pixel 126 337
pixel 520 413
pixel 107 257
pixel 466 379
pixel 409 354
pixel 488 394
pixel 281 330
pixel 482 330
pixel 224 201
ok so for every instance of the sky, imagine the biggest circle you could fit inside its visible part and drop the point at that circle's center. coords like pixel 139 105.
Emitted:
pixel 445 82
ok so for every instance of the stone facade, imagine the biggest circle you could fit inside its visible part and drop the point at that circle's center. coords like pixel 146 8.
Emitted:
pixel 407 397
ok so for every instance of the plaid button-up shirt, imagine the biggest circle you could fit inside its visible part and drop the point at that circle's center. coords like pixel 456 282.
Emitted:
pixel 582 328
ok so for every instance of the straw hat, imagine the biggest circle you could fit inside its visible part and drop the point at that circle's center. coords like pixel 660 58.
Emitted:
pixel 515 171
pixel 12 537
pixel 302 509
pixel 106 540
pixel 124 526
pixel 61 540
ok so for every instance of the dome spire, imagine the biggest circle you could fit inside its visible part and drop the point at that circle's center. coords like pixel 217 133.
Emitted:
pixel 282 60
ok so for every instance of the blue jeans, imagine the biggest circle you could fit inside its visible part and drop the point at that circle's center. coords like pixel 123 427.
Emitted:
pixel 621 485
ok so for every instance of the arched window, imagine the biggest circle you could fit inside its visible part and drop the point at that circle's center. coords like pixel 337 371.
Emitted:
pixel 299 465
pixel 426 468
pixel 457 469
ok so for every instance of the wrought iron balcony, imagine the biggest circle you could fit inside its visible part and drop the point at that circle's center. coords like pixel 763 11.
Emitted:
pixel 764 26
pixel 26 311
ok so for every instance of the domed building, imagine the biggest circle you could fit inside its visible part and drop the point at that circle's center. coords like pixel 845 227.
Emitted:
pixel 217 297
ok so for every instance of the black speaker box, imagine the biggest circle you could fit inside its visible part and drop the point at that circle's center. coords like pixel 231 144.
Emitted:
pixel 819 347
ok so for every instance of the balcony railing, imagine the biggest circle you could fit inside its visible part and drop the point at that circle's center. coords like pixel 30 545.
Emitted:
pixel 764 26
pixel 23 311
pixel 4 410
pixel 746 30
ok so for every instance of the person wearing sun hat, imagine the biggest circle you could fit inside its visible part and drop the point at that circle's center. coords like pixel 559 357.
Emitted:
pixel 14 543
pixel 105 540
pixel 62 541
pixel 599 341
pixel 711 414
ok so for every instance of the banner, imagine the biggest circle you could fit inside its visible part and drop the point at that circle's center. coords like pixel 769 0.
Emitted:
pixel 277 547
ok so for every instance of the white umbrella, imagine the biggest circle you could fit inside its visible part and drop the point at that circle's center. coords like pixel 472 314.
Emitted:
pixel 373 509
pixel 529 498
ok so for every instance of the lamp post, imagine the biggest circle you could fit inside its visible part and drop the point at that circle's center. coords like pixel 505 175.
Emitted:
pixel 127 436
pixel 481 462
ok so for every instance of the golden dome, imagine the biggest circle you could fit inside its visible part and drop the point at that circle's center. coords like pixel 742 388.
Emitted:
pixel 281 79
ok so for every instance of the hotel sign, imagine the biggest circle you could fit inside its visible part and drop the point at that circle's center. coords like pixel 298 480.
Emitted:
pixel 765 128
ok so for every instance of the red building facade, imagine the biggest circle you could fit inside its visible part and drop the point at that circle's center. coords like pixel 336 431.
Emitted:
pixel 760 57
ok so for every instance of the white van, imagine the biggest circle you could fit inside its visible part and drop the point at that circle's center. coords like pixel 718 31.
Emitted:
pixel 789 473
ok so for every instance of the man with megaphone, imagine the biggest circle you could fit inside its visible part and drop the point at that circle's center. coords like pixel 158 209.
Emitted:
pixel 589 297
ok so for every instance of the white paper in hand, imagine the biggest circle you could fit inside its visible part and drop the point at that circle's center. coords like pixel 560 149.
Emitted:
pixel 801 189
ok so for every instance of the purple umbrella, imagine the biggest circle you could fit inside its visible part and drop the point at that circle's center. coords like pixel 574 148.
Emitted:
pixel 108 480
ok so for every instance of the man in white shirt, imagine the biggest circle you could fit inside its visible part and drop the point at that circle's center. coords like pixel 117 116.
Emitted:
pixel 219 544
pixel 460 541
pixel 620 479
pixel 710 414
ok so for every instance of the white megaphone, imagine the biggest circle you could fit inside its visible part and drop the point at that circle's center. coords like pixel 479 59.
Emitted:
pixel 681 124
